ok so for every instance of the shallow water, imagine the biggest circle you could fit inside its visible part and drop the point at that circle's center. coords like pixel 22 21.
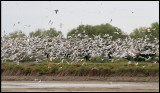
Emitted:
pixel 76 86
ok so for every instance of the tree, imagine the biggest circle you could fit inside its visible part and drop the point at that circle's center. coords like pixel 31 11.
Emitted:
pixel 16 34
pixel 97 30
pixel 152 32
pixel 44 33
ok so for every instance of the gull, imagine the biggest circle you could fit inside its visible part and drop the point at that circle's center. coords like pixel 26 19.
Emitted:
pixel 18 22
pixel 49 66
pixel 51 58
pixel 136 63
pixel 56 11
pixel 148 30
pixel 111 21
pixel 35 79
pixel 154 29
pixel 60 25
pixel 39 81
pixel 83 63
pixel 129 62
pixel 155 62
pixel 49 21
pixel 116 32
pixel 14 25
pixel 132 12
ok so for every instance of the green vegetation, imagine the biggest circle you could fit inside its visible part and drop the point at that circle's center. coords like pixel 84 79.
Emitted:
pixel 16 34
pixel 90 30
pixel 152 32
pixel 77 69
pixel 97 30
pixel 43 33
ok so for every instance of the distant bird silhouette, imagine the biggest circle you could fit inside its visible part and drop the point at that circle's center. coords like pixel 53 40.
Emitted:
pixel 14 25
pixel 111 21
pixel 18 22
pixel 56 11
pixel 49 21
pixel 61 25
pixel 132 12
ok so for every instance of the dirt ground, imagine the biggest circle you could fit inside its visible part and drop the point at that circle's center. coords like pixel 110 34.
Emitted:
pixel 112 87
pixel 80 78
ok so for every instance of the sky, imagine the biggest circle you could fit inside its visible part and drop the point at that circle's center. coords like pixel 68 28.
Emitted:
pixel 71 14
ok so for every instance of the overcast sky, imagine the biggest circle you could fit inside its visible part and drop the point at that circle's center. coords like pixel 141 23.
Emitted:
pixel 71 14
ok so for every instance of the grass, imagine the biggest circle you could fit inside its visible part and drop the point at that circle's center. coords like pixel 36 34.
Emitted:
pixel 77 69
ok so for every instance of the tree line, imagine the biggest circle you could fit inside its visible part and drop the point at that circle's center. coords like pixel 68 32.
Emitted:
pixel 91 31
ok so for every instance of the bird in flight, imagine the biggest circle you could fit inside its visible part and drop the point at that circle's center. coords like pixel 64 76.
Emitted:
pixel 56 11
pixel 60 25
pixel 111 21
pixel 18 22
pixel 49 21
pixel 14 25
pixel 132 12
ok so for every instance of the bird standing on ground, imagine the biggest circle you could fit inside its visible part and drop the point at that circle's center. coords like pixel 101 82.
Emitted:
pixel 39 81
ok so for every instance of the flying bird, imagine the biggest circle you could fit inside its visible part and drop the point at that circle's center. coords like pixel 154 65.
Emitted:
pixel 49 21
pixel 18 22
pixel 56 11
pixel 111 21
pixel 60 25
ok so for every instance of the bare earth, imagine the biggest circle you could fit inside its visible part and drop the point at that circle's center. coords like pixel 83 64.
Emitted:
pixel 78 86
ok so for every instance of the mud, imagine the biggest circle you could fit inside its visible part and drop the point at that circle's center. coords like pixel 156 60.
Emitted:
pixel 78 86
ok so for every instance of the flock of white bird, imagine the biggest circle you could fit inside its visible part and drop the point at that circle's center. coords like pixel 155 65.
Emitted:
pixel 34 48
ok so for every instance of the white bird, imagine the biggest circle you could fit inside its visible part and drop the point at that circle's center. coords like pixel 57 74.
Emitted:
pixel 35 79
pixel 129 62
pixel 39 81
pixel 51 58
pixel 83 63
pixel 136 63
pixel 49 67
pixel 155 62
pixel 143 66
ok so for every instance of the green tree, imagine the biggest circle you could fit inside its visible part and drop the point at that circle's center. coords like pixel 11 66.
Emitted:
pixel 44 33
pixel 97 30
pixel 16 34
pixel 152 32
